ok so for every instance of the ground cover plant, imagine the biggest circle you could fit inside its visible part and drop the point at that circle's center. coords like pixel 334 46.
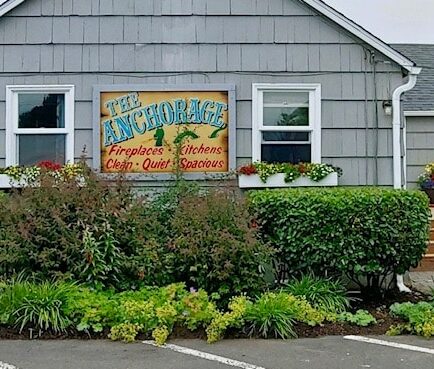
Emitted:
pixel 361 318
pixel 151 311
pixel 418 318
pixel 60 308
pixel 365 233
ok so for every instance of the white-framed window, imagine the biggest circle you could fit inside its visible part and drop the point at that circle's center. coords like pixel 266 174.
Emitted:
pixel 286 123
pixel 39 124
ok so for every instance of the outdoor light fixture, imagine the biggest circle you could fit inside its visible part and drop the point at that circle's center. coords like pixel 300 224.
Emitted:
pixel 387 106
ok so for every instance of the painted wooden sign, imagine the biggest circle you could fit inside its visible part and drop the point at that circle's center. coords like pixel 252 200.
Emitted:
pixel 157 131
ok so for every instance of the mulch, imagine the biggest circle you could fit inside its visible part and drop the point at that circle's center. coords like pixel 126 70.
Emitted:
pixel 379 308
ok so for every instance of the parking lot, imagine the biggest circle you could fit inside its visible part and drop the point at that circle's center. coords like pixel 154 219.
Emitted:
pixel 327 352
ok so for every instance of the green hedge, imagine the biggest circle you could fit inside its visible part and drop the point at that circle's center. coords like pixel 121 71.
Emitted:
pixel 365 233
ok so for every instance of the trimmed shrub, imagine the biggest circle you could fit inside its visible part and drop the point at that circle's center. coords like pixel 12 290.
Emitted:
pixel 364 233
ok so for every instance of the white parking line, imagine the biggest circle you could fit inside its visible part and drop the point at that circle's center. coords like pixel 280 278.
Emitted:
pixel 401 346
pixel 6 366
pixel 206 356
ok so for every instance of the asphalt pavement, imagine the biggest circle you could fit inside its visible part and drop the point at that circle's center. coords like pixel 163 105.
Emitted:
pixel 320 353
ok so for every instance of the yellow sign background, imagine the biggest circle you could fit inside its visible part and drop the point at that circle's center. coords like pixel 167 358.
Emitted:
pixel 202 154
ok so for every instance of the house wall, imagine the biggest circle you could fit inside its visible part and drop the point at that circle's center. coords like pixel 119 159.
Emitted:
pixel 420 148
pixel 94 42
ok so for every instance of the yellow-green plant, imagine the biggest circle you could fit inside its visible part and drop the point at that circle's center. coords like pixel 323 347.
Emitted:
pixel 361 318
pixel 125 332
pixel 160 335
pixel 233 318
pixel 419 318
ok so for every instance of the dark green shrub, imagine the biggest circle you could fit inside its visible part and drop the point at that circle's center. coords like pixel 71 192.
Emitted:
pixel 214 245
pixel 322 293
pixel 365 233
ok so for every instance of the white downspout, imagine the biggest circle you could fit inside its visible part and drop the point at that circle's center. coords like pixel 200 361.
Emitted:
pixel 396 126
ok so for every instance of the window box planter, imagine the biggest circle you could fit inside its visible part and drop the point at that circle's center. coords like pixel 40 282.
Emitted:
pixel 8 182
pixel 278 181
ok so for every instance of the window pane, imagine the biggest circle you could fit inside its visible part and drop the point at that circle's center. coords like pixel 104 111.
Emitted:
pixel 33 149
pixel 287 153
pixel 286 136
pixel 286 98
pixel 286 117
pixel 41 110
pixel 286 108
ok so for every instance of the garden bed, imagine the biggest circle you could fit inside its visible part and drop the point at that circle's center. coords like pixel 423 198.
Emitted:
pixel 379 309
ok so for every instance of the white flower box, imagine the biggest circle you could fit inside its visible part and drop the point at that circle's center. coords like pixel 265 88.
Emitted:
pixel 8 182
pixel 278 181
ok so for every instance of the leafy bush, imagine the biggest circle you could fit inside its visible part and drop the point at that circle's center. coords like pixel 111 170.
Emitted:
pixel 215 247
pixel 365 233
pixel 104 235
pixel 361 318
pixel 66 230
pixel 322 293
pixel 419 319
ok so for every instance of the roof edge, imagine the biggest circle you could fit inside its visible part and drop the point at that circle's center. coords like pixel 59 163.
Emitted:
pixel 7 6
pixel 363 34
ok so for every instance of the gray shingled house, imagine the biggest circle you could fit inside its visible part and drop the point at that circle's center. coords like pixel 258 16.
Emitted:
pixel 419 113
pixel 276 80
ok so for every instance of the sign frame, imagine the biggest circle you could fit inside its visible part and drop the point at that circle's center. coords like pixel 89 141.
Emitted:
pixel 146 177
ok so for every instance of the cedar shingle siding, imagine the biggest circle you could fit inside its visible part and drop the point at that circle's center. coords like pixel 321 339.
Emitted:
pixel 90 42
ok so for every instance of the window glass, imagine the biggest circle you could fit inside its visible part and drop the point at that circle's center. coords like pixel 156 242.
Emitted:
pixel 286 153
pixel 286 108
pixel 286 98
pixel 38 110
pixel 36 148
pixel 286 136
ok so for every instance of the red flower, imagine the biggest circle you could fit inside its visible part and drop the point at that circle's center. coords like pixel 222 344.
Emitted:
pixel 248 170
pixel 49 165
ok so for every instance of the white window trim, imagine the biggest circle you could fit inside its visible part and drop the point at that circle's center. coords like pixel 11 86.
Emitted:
pixel 314 127
pixel 12 129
